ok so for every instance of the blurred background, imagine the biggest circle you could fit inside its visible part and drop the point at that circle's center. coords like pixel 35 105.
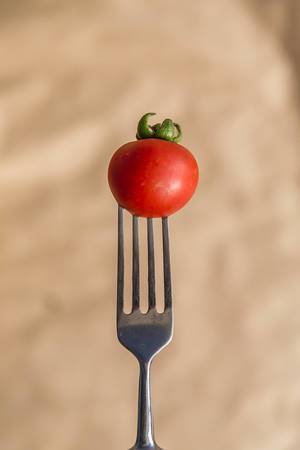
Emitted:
pixel 75 77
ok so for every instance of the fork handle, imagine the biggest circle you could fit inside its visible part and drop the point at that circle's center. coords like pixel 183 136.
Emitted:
pixel 145 434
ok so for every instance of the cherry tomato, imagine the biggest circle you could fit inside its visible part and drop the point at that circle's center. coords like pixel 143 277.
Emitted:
pixel 152 177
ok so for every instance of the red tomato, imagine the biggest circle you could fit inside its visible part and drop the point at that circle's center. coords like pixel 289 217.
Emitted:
pixel 152 177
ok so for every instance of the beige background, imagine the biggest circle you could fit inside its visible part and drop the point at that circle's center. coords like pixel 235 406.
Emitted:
pixel 74 79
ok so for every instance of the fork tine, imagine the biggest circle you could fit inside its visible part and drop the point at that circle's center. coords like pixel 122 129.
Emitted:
pixel 120 283
pixel 151 265
pixel 135 264
pixel 167 266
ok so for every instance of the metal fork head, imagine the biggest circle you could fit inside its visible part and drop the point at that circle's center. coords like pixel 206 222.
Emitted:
pixel 144 334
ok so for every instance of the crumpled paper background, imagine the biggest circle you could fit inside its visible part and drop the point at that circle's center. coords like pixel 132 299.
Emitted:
pixel 74 79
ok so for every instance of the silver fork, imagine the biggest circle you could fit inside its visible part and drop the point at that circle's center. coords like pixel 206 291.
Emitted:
pixel 144 335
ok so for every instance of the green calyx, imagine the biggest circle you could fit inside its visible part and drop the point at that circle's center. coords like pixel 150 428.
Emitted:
pixel 167 130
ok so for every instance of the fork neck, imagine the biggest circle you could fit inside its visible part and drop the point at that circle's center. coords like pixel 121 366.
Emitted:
pixel 145 434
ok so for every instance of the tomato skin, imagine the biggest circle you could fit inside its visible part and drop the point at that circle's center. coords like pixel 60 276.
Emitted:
pixel 152 177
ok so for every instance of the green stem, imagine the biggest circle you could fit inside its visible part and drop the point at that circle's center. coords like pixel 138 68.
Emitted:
pixel 168 130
